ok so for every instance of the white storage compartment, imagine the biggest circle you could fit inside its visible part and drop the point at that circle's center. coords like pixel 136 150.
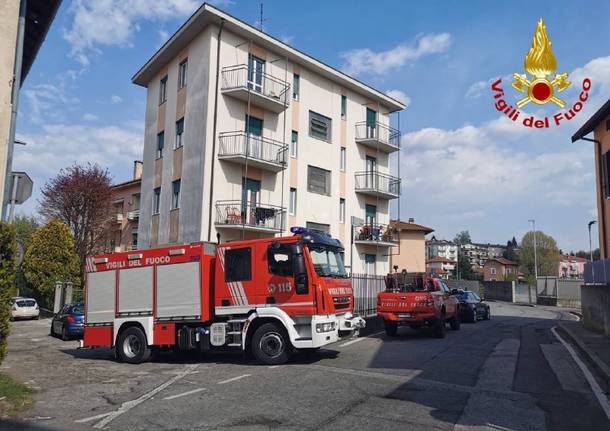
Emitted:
pixel 136 290
pixel 178 291
pixel 100 296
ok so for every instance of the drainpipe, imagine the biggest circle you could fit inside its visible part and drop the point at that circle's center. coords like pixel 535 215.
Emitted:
pixel 14 107
pixel 602 221
pixel 222 23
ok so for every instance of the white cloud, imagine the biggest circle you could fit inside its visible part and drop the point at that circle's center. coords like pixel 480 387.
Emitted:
pixel 480 88
pixel 113 22
pixel 399 95
pixel 364 60
pixel 89 117
pixel 43 101
pixel 115 99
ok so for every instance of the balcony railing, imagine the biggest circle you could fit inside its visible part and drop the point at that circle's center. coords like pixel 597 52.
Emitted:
pixel 251 216
pixel 375 234
pixel 133 215
pixel 377 184
pixel 378 135
pixel 258 87
pixel 242 147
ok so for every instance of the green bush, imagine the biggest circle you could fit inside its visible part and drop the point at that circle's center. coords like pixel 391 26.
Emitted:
pixel 51 257
pixel 7 281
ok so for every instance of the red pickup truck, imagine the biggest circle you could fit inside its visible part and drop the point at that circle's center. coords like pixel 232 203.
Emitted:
pixel 415 300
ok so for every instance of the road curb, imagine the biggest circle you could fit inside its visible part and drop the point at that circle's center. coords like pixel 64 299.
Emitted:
pixel 602 369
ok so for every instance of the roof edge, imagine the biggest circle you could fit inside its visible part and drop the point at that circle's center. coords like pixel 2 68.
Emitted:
pixel 592 122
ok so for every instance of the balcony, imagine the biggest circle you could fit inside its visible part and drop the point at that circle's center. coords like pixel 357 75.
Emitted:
pixel 259 88
pixel 244 148
pixel 376 234
pixel 252 217
pixel 133 215
pixel 379 136
pixel 377 184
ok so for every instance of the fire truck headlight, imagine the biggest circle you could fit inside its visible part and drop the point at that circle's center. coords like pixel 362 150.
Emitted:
pixel 325 327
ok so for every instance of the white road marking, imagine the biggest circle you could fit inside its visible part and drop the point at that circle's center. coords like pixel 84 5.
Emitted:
pixel 92 418
pixel 273 366
pixel 234 379
pixel 599 394
pixel 347 343
pixel 128 405
pixel 194 391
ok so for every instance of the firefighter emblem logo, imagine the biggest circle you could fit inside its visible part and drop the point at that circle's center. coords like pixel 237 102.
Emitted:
pixel 540 63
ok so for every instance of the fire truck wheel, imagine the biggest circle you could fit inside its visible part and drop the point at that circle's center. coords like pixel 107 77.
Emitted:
pixel 270 344
pixel 132 347
pixel 391 328
pixel 440 327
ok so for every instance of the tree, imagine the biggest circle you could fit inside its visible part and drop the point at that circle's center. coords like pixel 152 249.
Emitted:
pixel 7 278
pixel 24 229
pixel 51 257
pixel 587 255
pixel 80 196
pixel 511 252
pixel 547 254
pixel 462 238
pixel 463 270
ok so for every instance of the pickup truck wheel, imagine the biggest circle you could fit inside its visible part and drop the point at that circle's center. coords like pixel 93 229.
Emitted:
pixel 455 322
pixel 440 327
pixel 391 328
pixel 270 344
pixel 132 347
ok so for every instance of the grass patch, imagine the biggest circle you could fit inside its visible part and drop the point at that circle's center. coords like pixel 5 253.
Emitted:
pixel 15 397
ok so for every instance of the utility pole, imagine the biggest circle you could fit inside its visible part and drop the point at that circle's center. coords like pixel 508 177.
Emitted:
pixel 533 222
pixel 591 223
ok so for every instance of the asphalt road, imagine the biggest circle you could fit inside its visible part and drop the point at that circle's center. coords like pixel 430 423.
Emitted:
pixel 508 373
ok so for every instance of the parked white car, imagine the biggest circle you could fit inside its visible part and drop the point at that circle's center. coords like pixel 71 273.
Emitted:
pixel 24 308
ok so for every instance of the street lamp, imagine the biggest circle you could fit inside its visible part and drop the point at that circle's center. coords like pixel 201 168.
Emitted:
pixel 533 222
pixel 591 223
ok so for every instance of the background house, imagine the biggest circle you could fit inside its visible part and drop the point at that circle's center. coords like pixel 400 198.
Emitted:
pixel 571 266
pixel 126 202
pixel 498 268
pixel 411 251
pixel 440 266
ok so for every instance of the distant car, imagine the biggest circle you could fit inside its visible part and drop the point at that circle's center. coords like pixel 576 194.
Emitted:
pixel 24 308
pixel 69 323
pixel 472 307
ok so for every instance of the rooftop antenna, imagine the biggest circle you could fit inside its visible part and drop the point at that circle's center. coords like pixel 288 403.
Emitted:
pixel 261 20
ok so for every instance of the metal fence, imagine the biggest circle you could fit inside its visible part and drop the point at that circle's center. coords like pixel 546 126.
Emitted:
pixel 366 287
pixel 377 182
pixel 559 291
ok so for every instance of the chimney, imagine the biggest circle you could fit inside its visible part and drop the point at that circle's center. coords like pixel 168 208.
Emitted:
pixel 137 170
pixel 411 220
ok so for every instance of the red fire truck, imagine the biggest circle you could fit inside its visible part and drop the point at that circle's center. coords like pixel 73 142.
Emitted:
pixel 267 296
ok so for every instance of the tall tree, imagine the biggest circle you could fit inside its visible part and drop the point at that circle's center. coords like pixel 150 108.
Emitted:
pixel 81 197
pixel 463 269
pixel 462 238
pixel 7 277
pixel 24 229
pixel 510 252
pixel 547 254
pixel 51 257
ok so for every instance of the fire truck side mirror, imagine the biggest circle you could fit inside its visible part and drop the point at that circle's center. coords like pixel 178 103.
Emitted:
pixel 301 282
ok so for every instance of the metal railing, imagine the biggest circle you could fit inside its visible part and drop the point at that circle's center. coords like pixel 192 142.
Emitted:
pixel 253 147
pixel 375 233
pixel 378 182
pixel 240 213
pixel 377 131
pixel 240 76
pixel 366 287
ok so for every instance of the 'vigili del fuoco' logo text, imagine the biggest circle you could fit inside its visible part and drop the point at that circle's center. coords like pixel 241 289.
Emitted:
pixel 542 86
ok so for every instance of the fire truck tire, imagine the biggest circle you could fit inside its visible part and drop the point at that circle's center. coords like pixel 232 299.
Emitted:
pixel 391 328
pixel 440 326
pixel 131 346
pixel 271 345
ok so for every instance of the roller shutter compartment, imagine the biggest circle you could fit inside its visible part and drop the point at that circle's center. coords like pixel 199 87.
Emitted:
pixel 178 291
pixel 100 296
pixel 136 290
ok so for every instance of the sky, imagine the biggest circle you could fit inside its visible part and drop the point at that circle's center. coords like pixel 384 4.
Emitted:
pixel 463 165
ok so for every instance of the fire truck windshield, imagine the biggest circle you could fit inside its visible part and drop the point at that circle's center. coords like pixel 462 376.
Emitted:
pixel 327 261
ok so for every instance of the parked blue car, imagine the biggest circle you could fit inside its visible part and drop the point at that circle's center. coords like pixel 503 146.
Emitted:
pixel 69 323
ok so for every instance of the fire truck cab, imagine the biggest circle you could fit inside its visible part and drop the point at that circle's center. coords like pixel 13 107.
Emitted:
pixel 267 296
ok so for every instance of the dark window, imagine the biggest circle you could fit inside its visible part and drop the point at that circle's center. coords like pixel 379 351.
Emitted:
pixel 175 194
pixel 179 133
pixel 605 162
pixel 343 106
pixel 280 261
pixel 296 86
pixel 182 74
pixel 238 264
pixel 160 144
pixel 318 180
pixel 163 90
pixel 319 126
pixel 156 200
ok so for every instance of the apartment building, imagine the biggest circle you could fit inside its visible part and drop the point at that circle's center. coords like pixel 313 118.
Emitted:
pixel 478 254
pixel 441 248
pixel 126 204
pixel 245 137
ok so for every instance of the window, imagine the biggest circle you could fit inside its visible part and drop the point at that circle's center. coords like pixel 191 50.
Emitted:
pixel 492 271
pixel 156 200
pixel 238 264
pixel 182 74
pixel 318 180
pixel 179 133
pixel 343 106
pixel 160 144
pixel 605 162
pixel 280 260
pixel 292 202
pixel 320 227
pixel 319 126
pixel 135 201
pixel 343 159
pixel 296 86
pixel 294 144
pixel 175 194
pixel 509 270
pixel 341 210
pixel 163 90
pixel 134 239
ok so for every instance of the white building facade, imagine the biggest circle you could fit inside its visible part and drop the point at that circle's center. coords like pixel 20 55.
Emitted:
pixel 441 248
pixel 246 137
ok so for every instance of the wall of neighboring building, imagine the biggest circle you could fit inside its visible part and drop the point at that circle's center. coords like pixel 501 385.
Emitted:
pixel 603 205
pixel 411 253
pixel 8 38
pixel 126 198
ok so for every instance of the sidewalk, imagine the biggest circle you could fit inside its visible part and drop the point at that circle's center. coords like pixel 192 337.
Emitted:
pixel 594 347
